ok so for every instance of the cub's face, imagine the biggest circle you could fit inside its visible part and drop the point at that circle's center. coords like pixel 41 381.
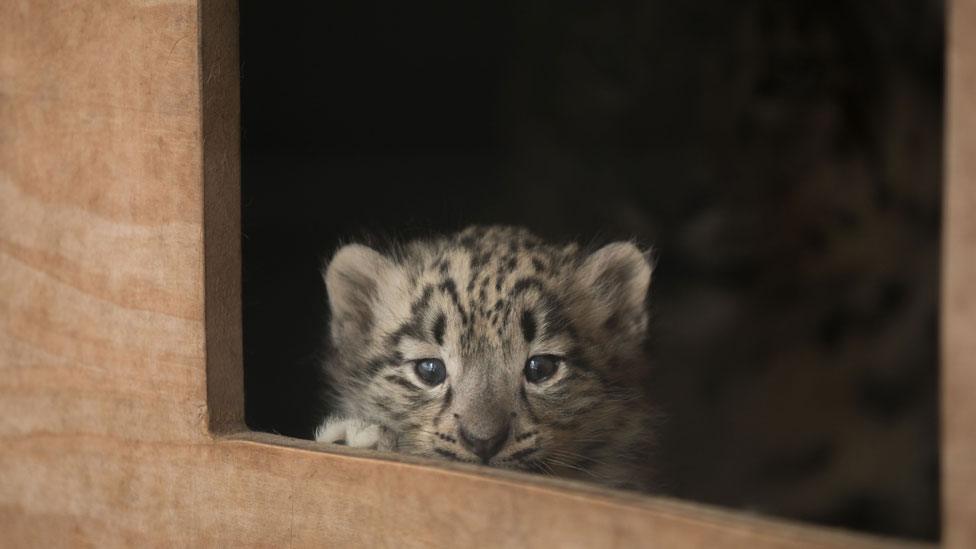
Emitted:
pixel 490 348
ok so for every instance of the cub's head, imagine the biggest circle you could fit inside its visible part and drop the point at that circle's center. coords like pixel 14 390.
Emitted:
pixel 493 347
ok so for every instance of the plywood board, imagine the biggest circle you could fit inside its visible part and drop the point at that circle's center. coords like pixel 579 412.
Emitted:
pixel 959 284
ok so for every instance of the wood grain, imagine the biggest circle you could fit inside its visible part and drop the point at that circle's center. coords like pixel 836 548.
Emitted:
pixel 959 284
pixel 243 493
pixel 221 122
pixel 101 263
pixel 120 362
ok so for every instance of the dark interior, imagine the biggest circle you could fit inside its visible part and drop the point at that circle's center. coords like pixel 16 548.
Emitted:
pixel 782 157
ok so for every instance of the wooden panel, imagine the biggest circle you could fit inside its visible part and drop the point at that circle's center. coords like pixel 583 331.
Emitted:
pixel 237 493
pixel 959 284
pixel 120 318
pixel 101 264
pixel 220 86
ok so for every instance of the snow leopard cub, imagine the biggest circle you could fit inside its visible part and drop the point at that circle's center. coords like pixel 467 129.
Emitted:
pixel 493 347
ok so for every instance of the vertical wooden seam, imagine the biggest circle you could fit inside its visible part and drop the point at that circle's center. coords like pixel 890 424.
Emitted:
pixel 958 383
pixel 219 74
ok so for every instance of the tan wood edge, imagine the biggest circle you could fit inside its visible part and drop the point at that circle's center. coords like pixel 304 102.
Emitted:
pixel 775 531
pixel 220 126
pixel 958 307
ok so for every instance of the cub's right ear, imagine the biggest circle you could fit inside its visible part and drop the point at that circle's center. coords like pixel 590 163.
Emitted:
pixel 354 280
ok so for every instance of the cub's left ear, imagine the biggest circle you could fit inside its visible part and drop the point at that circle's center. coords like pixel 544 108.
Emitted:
pixel 356 280
pixel 618 276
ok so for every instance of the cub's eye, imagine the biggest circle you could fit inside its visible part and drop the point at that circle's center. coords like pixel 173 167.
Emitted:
pixel 430 370
pixel 540 368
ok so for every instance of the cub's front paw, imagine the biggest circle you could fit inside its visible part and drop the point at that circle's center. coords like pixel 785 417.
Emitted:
pixel 349 431
pixel 356 433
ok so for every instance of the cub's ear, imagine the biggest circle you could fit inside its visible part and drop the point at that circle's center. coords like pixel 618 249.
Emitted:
pixel 355 280
pixel 618 276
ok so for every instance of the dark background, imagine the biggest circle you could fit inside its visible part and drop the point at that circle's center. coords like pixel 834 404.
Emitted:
pixel 782 156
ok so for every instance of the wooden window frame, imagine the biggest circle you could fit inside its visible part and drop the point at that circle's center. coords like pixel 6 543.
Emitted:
pixel 121 381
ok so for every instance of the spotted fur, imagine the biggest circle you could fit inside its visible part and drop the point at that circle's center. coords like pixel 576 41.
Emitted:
pixel 484 301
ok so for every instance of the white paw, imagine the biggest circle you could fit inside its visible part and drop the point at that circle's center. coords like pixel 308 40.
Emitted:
pixel 349 431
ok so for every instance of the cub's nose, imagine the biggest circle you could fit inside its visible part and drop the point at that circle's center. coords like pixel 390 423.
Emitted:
pixel 484 448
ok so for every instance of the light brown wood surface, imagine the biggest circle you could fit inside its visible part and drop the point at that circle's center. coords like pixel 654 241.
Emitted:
pixel 120 321
pixel 959 284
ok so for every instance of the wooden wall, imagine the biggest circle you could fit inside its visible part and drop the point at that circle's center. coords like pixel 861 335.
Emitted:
pixel 120 360
pixel 959 283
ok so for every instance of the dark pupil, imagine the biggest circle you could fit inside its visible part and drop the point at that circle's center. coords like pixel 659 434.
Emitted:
pixel 539 368
pixel 431 370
